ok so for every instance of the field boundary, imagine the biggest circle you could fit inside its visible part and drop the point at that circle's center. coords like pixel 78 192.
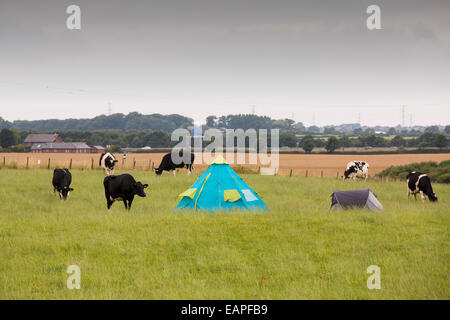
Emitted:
pixel 330 166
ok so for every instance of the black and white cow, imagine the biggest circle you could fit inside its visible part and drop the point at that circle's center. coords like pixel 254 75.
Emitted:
pixel 107 162
pixel 122 187
pixel 167 164
pixel 62 179
pixel 418 182
pixel 357 169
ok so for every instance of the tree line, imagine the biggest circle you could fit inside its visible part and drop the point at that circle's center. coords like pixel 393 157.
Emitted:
pixel 308 142
pixel 136 130
pixel 12 140
pixel 118 121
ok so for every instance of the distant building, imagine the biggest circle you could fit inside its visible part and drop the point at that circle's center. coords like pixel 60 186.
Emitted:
pixel 98 149
pixel 40 138
pixel 61 147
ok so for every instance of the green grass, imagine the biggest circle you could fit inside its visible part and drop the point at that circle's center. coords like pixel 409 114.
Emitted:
pixel 297 250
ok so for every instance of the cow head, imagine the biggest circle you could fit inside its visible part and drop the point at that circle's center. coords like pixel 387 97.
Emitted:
pixel 139 189
pixel 433 197
pixel 64 192
pixel 348 172
pixel 158 171
pixel 110 162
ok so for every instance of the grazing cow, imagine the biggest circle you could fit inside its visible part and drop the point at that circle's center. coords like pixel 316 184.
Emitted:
pixel 418 182
pixel 356 169
pixel 167 164
pixel 122 187
pixel 107 162
pixel 61 183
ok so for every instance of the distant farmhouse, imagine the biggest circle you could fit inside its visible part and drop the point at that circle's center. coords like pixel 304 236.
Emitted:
pixel 61 147
pixel 53 143
pixel 39 138
pixel 97 149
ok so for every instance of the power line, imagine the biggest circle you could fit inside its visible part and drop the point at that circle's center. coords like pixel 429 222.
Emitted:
pixel 79 91
pixel 403 116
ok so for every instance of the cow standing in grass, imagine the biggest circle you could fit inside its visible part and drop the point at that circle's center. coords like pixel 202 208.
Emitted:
pixel 62 179
pixel 107 162
pixel 168 165
pixel 418 182
pixel 356 169
pixel 122 187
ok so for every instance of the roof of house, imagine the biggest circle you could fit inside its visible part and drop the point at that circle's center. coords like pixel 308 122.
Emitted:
pixel 99 147
pixel 40 138
pixel 61 145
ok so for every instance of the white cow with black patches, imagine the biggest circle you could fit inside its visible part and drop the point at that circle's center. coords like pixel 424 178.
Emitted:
pixel 107 162
pixel 61 181
pixel 356 169
pixel 417 182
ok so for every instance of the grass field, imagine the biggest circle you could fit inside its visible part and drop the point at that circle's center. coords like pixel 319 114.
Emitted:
pixel 296 250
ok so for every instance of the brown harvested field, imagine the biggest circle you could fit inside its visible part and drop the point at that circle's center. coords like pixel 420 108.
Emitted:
pixel 331 165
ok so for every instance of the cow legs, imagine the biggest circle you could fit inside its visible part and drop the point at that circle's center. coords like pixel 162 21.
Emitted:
pixel 127 203
pixel 109 202
pixel 408 193
pixel 415 196
pixel 422 197
pixel 130 201
pixel 173 172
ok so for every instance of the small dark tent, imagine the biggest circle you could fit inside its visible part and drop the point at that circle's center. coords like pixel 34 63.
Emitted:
pixel 363 198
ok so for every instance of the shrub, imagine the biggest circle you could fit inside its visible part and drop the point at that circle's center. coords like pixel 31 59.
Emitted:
pixel 437 172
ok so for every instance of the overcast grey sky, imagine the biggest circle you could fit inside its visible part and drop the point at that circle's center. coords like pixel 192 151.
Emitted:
pixel 310 60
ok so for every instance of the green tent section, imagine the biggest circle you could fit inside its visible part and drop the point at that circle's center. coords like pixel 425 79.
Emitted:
pixel 220 188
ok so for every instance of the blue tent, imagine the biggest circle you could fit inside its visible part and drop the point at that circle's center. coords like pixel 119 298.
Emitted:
pixel 220 188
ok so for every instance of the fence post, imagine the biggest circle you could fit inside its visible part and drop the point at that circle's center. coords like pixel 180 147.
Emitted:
pixel 92 163
pixel 290 173
pixel 4 161
pixel 70 164
pixel 306 173
pixel 27 162
pixel 48 165
pixel 337 175
pixel 134 163
pixel 321 173
pixel 153 165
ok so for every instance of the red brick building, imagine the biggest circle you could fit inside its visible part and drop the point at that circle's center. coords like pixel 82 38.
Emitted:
pixel 61 147
pixel 97 149
pixel 40 138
